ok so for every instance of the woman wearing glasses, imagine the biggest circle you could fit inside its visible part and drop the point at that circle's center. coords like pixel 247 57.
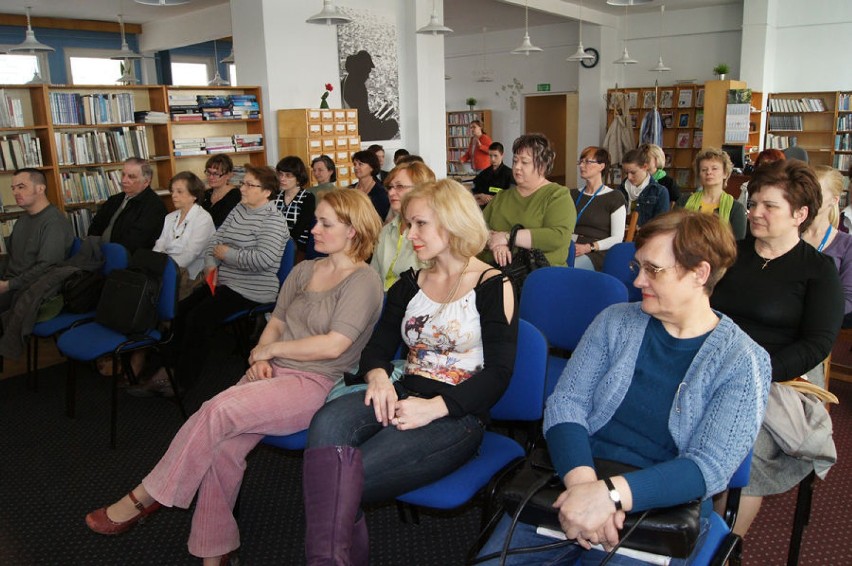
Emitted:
pixel 321 322
pixel 222 196
pixel 241 269
pixel 667 386
pixel 294 201
pixel 394 253
pixel 601 211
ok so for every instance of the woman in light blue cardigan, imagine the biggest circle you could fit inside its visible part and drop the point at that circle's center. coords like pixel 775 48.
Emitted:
pixel 668 386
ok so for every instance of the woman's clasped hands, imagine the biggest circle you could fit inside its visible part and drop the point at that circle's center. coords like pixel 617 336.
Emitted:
pixel 404 414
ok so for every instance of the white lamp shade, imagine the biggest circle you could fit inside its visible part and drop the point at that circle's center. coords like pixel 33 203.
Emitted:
pixel 31 45
pixel 580 54
pixel 329 15
pixel 435 27
pixel 526 47
pixel 162 2
pixel 625 59
pixel 660 68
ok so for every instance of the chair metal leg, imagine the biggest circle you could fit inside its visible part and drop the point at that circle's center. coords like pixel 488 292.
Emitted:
pixel 71 389
pixel 801 517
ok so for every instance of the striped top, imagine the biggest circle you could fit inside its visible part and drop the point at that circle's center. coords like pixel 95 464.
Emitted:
pixel 256 238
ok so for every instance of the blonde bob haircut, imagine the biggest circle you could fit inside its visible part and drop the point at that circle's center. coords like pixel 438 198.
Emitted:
pixel 355 209
pixel 457 213
pixel 419 173
pixel 714 154
pixel 831 179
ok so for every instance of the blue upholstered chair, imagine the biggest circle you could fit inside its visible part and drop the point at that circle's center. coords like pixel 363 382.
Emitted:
pixel 523 401
pixel 88 342
pixel 572 254
pixel 562 303
pixel 617 264
pixel 115 257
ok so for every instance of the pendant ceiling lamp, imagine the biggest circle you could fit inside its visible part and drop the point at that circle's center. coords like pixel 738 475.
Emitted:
pixel 628 2
pixel 434 26
pixel 329 15
pixel 217 78
pixel 526 46
pixel 162 2
pixel 125 53
pixel 484 74
pixel 661 67
pixel 580 54
pixel 625 58
pixel 30 43
pixel 229 58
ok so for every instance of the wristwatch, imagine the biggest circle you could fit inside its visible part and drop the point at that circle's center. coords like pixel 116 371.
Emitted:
pixel 613 493
pixel 594 246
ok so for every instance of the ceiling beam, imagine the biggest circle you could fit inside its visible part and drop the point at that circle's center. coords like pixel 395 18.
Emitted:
pixel 68 23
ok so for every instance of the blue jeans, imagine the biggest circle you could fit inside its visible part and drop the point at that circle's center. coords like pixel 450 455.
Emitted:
pixel 395 462
pixel 571 554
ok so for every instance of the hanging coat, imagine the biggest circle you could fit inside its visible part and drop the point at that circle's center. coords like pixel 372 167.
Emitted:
pixel 651 130
pixel 619 137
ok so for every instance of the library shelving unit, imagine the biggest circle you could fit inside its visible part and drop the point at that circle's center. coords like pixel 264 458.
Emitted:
pixel 842 159
pixel 310 132
pixel 682 109
pixel 458 136
pixel 804 119
pixel 756 126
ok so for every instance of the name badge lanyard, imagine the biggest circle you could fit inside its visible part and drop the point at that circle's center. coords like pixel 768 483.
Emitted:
pixel 577 203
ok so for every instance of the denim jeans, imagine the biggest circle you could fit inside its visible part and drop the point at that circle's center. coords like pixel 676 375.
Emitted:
pixel 395 461
pixel 571 554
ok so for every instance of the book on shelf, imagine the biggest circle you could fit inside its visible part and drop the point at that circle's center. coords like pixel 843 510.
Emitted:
pixel 74 109
pixel 698 139
pixel 668 119
pixel 666 98
pixel 844 122
pixel 669 158
pixel 682 177
pixel 464 117
pixel 11 111
pixel 20 150
pixel 843 101
pixel 682 140
pixel 101 146
pixel 150 117
pixel 699 98
pixel 784 122
pixel 699 118
pixel 796 105
pixel 633 99
pixel 81 220
pixel 684 98
pixel 91 185
pixel 843 162
pixel 843 142
pixel 188 152
pixel 648 99
pixel 683 120
pixel 774 141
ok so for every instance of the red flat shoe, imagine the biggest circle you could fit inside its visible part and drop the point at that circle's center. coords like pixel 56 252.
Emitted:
pixel 99 522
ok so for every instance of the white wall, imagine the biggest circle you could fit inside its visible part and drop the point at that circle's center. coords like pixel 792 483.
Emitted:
pixel 196 27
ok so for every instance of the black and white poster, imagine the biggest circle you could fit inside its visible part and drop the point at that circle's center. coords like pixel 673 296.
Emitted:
pixel 368 51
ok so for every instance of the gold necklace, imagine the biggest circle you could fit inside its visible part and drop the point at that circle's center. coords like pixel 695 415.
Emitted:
pixel 453 290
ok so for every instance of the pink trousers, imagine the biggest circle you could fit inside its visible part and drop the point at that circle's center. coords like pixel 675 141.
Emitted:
pixel 208 454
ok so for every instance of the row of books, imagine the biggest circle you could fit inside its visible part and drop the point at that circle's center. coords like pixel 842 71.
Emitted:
pixel 71 108
pixel 844 122
pixel 786 123
pixel 11 111
pixel 455 154
pixel 94 185
pixel 458 131
pixel 464 117
pixel 20 150
pixel 186 108
pixel 217 144
pixel 796 105
pixel 843 142
pixel 101 146
pixel 780 142
pixel 81 220
pixel 844 102
pixel 843 162
pixel 150 117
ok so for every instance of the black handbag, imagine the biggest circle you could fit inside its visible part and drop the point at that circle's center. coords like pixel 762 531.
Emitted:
pixel 524 261
pixel 672 531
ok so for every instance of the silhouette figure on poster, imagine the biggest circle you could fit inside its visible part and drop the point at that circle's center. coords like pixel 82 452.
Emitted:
pixel 371 125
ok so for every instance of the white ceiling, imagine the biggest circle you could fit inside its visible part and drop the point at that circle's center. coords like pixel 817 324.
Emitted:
pixel 463 16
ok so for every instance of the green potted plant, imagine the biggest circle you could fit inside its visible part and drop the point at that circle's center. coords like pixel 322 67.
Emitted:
pixel 721 70
pixel 471 102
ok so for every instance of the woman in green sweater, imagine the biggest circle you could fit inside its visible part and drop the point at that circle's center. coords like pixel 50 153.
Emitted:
pixel 544 209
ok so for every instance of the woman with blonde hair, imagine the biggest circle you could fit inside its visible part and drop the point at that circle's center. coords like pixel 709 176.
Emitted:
pixel 321 322
pixel 394 254
pixel 458 321
pixel 713 167
pixel 823 233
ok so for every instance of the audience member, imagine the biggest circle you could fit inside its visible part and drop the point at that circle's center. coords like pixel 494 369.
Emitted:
pixel 666 386
pixel 639 189
pixel 366 164
pixel 656 165
pixel 493 179
pixel 381 174
pixel 323 317
pixel 410 158
pixel 477 149
pixel 295 203
pixel 398 154
pixel 787 297
pixel 713 167
pixel 544 209
pixel 394 253
pixel 460 326
pixel 765 157
pixel 186 230
pixel 325 173
pixel 601 211
pixel 221 198
pixel 41 237
pixel 134 217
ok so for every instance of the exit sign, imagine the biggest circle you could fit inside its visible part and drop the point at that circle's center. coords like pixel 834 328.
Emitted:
pixel 543 87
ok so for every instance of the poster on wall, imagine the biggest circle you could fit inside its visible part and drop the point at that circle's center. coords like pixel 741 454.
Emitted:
pixel 367 50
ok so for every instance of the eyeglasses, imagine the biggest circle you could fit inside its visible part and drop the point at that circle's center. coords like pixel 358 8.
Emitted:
pixel 214 174
pixel 398 187
pixel 651 270
pixel 254 185
pixel 587 162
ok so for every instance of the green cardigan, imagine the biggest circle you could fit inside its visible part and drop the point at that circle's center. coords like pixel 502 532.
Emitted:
pixel 548 214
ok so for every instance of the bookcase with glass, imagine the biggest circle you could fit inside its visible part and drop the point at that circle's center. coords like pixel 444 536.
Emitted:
pixel 458 137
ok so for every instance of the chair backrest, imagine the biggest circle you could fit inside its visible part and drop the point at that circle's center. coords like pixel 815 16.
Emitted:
pixel 572 254
pixel 115 257
pixel 524 398
pixel 741 476
pixel 617 264
pixel 796 152
pixel 167 302
pixel 630 233
pixel 562 302
pixel 287 261
pixel 76 244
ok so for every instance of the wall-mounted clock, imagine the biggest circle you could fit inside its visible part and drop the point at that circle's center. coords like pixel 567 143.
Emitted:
pixel 589 63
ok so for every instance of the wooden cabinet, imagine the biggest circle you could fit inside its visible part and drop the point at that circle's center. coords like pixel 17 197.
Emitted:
pixel 458 137
pixel 310 132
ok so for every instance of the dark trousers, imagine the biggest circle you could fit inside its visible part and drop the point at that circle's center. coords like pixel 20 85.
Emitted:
pixel 198 316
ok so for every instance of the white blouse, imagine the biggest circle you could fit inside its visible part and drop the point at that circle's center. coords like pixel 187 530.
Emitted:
pixel 185 242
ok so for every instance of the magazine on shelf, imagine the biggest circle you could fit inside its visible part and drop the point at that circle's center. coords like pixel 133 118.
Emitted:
pixel 684 98
pixel 666 98
pixel 682 140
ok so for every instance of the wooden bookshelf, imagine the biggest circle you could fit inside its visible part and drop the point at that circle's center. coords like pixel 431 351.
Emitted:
pixel 842 154
pixel 458 136
pixel 311 132
pixel 810 125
